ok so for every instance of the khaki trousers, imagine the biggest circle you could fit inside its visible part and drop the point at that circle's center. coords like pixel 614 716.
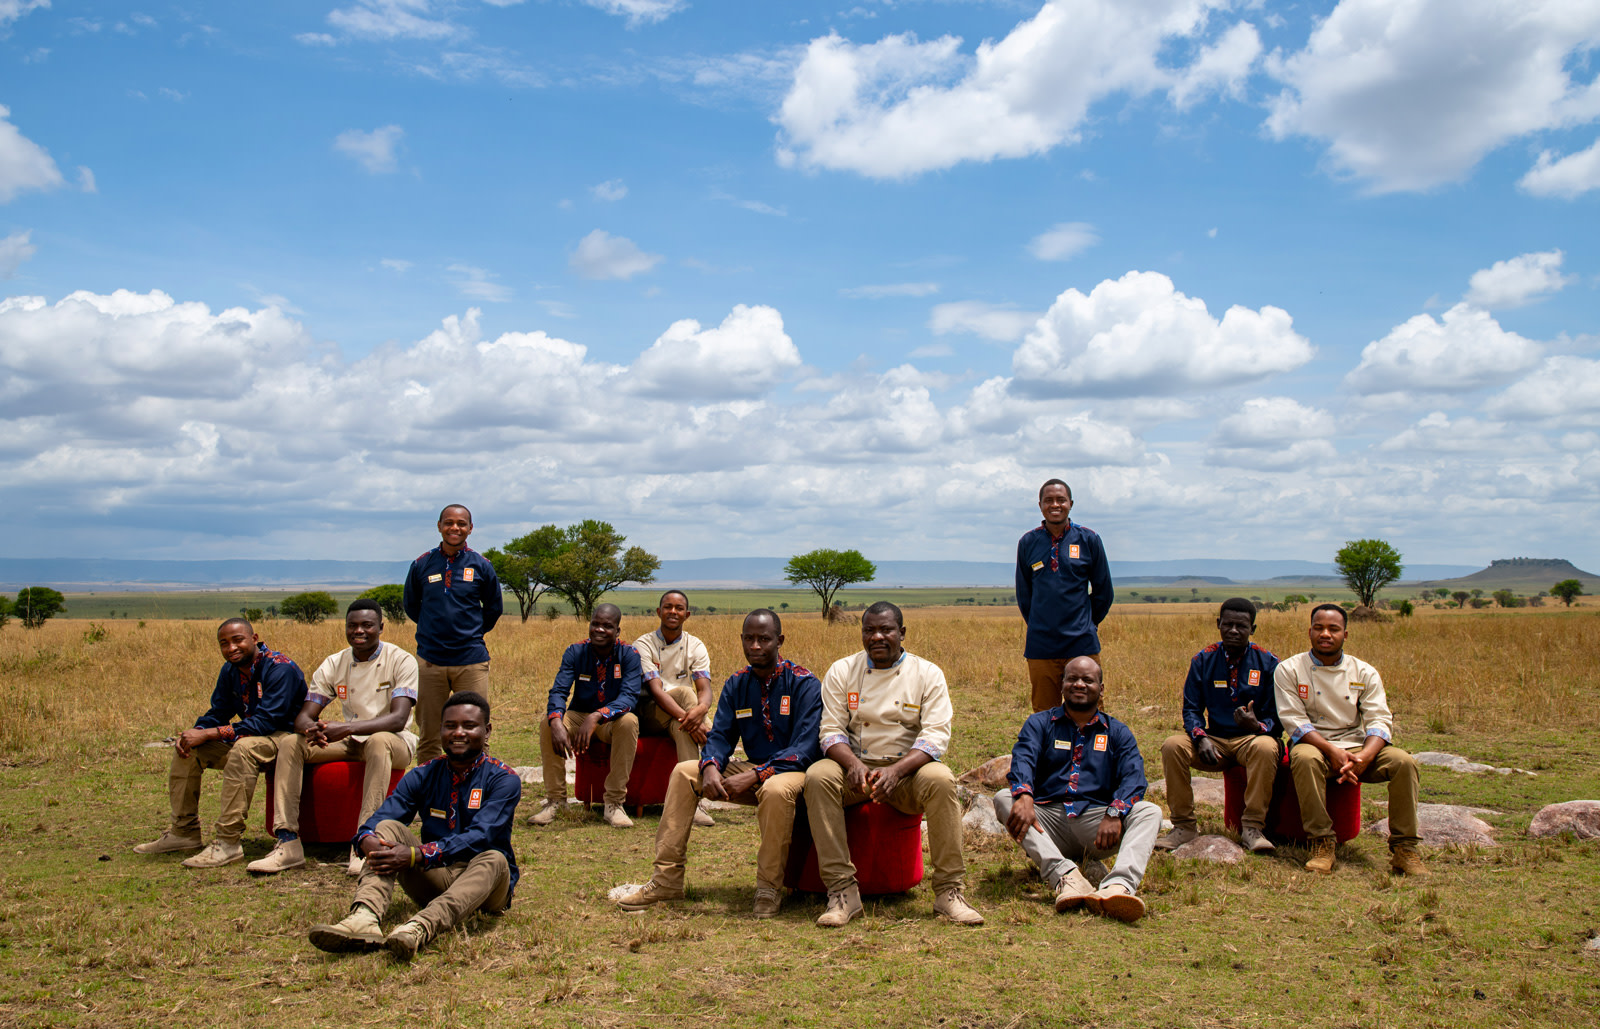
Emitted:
pixel 446 895
pixel 622 734
pixel 435 683
pixel 1045 673
pixel 382 752
pixel 241 762
pixel 930 791
pixel 774 802
pixel 1392 765
pixel 1258 755
pixel 653 721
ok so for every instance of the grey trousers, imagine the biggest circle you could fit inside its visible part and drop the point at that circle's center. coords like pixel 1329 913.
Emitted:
pixel 1065 836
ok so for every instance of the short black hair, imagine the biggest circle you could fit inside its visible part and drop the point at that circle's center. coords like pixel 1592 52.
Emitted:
pixel 767 612
pixel 1055 482
pixel 363 604
pixel 463 507
pixel 237 621
pixel 1343 615
pixel 466 698
pixel 1241 605
pixel 669 593
pixel 884 607
pixel 601 607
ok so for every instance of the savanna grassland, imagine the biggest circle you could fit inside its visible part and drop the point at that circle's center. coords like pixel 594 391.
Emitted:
pixel 93 935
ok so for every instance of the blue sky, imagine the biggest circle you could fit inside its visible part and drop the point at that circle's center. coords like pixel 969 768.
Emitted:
pixel 1254 277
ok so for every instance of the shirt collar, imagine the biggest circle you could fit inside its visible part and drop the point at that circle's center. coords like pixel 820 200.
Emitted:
pixel 875 668
pixel 1325 664
pixel 375 652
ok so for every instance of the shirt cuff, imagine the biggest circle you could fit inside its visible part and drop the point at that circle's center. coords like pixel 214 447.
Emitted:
pixel 404 691
pixel 1197 732
pixel 1118 808
pixel 651 676
pixel 833 738
pixel 432 855
pixel 1296 736
pixel 700 675
pixel 928 749
pixel 1380 732
pixel 226 733
pixel 554 716
pixel 709 761
pixel 1020 790
pixel 765 772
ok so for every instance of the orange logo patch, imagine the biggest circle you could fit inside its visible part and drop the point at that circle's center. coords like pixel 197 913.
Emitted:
pixel 1072 551
pixel 1255 677
pixel 475 799
pixel 341 689
pixel 1305 691
pixel 783 706
pixel 853 700
pixel 1101 741
pixel 466 574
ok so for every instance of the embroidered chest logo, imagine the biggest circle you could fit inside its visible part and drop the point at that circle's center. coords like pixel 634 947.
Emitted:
pixel 475 800
pixel 1100 741
pixel 783 705
pixel 466 574
pixel 616 672
pixel 1255 677
pixel 1305 691
pixel 853 700
pixel 341 690
pixel 1072 551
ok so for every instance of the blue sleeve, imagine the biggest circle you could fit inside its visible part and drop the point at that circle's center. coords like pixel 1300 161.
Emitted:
pixel 1100 578
pixel 721 738
pixel 494 604
pixel 1130 771
pixel 1194 699
pixel 1024 579
pixel 222 707
pixel 411 599
pixel 805 745
pixel 628 694
pixel 1267 706
pixel 400 806
pixel 1025 756
pixel 492 823
pixel 283 690
pixel 562 687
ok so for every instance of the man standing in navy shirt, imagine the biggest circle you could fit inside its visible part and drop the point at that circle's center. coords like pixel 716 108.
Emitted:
pixel 1063 590
pixel 1230 717
pixel 263 690
pixel 452 594
pixel 774 708
pixel 1076 786
pixel 462 862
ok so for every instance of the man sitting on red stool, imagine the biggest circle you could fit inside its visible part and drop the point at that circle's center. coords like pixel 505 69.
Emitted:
pixel 774 708
pixel 1339 724
pixel 592 699
pixel 676 694
pixel 376 686
pixel 1229 718
pixel 885 728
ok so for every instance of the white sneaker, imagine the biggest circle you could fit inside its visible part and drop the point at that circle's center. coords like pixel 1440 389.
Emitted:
pixel 221 852
pixel 702 816
pixel 286 855
pixel 617 818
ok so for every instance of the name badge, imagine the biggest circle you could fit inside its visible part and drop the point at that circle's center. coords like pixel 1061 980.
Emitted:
pixel 1038 565
pixel 680 675
pixel 744 712
pixel 341 689
pixel 853 701
pixel 783 706
pixel 436 578
pixel 1072 551
pixel 466 574
pixel 1220 684
pixel 1255 677
pixel 1063 744
pixel 1305 690
pixel 1101 741
pixel 583 678
pixel 1358 686
pixel 435 812
pixel 475 798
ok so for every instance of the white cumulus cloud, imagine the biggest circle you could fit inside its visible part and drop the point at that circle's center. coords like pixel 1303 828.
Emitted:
pixel 600 255
pixel 1520 280
pixel 1063 241
pixel 745 356
pixel 638 12
pixel 15 249
pixel 24 164
pixel 1465 349
pixel 376 151
pixel 610 190
pixel 991 322
pixel 1138 335
pixel 1566 177
pixel 11 10
pixel 1410 94
pixel 902 106
pixel 1562 386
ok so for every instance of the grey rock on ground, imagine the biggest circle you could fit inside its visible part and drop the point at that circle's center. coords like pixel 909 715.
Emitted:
pixel 1211 848
pixel 1579 817
pixel 991 775
pixel 1207 791
pixel 1446 823
pixel 980 816
pixel 1592 948
pixel 1457 763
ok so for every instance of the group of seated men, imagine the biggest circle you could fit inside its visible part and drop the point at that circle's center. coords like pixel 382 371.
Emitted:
pixel 877 726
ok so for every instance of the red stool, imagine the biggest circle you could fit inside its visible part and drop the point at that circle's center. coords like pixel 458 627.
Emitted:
pixel 885 844
pixel 330 800
pixel 1283 813
pixel 653 762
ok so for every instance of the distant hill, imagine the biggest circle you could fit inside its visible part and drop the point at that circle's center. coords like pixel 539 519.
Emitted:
pixel 1527 573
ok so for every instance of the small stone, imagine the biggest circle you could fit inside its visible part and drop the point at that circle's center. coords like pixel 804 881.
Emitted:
pixel 1208 791
pixel 1446 823
pixel 990 775
pixel 1592 948
pixel 1219 849
pixel 530 775
pixel 1579 817
pixel 103 857
pixel 981 816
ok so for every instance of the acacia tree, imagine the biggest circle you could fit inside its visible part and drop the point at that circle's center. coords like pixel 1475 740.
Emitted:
pixel 391 598
pixel 523 566
pixel 1461 597
pixel 37 605
pixel 826 571
pixel 310 608
pixel 591 561
pixel 1567 590
pixel 1367 566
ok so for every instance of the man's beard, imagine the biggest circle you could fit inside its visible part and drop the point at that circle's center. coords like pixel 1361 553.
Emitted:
pixel 1088 705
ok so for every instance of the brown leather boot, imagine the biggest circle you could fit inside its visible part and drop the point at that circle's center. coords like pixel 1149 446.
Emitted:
pixel 1322 859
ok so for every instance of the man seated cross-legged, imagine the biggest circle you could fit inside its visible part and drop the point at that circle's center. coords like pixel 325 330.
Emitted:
pixel 376 685
pixel 773 708
pixel 462 861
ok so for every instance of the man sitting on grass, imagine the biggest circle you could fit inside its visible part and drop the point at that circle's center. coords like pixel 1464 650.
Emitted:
pixel 463 860
pixel 1229 719
pixel 260 688
pixel 773 708
pixel 1076 778
pixel 376 686
pixel 1339 725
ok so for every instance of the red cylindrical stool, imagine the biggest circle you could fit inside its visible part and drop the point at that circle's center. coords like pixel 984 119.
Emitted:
pixel 885 844
pixel 653 761
pixel 330 800
pixel 1283 814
